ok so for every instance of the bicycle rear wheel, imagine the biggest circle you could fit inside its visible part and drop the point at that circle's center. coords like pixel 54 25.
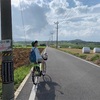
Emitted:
pixel 35 74
pixel 33 77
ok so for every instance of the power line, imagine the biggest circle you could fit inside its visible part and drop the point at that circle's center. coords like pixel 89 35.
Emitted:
pixel 21 9
pixel 70 12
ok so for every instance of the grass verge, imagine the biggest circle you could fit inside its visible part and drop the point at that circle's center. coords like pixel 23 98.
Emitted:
pixel 19 74
pixel 95 58
pixel 83 56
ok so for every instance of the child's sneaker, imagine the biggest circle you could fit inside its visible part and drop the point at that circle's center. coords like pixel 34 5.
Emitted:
pixel 43 73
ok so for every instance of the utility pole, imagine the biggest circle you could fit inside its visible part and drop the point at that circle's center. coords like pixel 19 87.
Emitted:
pixel 7 58
pixel 57 34
pixel 52 38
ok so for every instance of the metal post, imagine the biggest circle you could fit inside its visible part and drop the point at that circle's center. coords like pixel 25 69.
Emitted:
pixel 52 38
pixel 7 62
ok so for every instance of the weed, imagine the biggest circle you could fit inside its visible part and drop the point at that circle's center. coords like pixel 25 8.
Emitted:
pixel 95 57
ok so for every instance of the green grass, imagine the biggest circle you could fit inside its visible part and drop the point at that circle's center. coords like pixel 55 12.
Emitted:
pixel 28 47
pixel 95 57
pixel 83 56
pixel 19 75
pixel 80 55
pixel 41 46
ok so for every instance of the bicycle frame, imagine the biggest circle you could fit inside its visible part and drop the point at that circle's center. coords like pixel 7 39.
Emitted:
pixel 37 72
pixel 38 65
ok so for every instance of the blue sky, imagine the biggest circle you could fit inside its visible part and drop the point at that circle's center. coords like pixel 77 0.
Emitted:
pixel 78 19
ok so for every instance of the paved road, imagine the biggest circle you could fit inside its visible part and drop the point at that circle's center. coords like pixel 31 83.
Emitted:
pixel 72 79
pixel 68 79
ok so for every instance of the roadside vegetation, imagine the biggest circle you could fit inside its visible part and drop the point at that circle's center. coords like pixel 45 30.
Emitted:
pixel 20 74
pixel 95 58
pixel 78 44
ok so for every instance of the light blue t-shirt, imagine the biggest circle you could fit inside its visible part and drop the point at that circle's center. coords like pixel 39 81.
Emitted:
pixel 37 52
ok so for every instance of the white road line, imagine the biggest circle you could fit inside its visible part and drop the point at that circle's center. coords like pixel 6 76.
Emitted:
pixel 80 59
pixel 33 91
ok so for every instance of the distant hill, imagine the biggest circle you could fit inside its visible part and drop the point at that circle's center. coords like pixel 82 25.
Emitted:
pixel 77 41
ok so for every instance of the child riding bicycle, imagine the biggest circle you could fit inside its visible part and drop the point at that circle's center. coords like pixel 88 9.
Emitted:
pixel 39 58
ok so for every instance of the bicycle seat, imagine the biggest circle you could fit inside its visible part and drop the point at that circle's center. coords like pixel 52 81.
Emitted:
pixel 37 62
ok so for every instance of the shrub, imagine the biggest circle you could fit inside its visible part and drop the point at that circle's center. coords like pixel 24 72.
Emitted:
pixel 83 56
pixel 96 57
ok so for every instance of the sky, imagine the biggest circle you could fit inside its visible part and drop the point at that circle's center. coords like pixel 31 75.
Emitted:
pixel 35 20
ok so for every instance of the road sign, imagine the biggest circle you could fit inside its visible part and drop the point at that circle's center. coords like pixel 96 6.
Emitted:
pixel 5 45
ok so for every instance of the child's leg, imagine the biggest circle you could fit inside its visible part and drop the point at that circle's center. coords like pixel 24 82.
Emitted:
pixel 44 67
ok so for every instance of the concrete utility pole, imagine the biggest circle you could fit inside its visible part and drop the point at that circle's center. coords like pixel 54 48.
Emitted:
pixel 7 59
pixel 52 38
pixel 57 34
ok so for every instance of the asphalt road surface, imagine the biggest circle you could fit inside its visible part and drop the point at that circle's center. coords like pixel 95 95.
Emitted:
pixel 68 78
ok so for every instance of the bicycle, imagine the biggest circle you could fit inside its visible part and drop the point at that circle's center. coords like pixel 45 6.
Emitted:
pixel 38 70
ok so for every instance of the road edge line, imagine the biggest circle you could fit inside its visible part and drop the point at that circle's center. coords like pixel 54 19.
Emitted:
pixel 21 85
pixel 33 91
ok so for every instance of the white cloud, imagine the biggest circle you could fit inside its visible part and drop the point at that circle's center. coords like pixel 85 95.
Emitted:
pixel 16 3
pixel 80 21
pixel 78 3
pixel 34 20
pixel 95 9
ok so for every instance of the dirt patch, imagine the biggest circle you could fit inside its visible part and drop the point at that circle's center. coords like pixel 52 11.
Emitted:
pixel 21 56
